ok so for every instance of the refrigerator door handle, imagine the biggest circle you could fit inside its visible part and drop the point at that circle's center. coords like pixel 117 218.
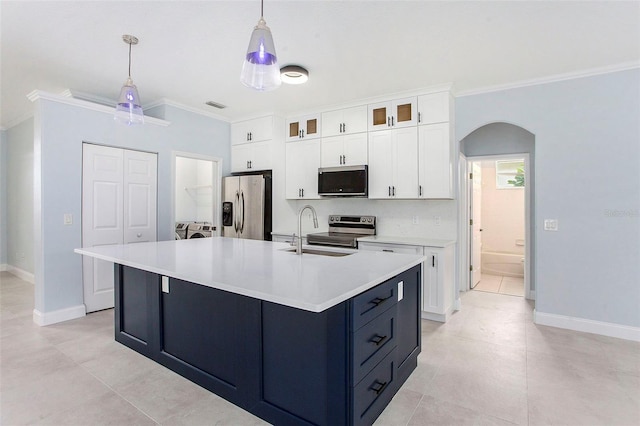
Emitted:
pixel 242 223
pixel 235 218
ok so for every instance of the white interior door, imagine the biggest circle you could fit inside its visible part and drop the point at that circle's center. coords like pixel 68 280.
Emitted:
pixel 476 224
pixel 118 204
pixel 140 187
pixel 102 221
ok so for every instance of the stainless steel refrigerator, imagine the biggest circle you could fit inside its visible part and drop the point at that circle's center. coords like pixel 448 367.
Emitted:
pixel 246 206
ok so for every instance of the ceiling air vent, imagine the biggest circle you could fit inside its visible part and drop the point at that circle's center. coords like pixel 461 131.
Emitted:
pixel 215 105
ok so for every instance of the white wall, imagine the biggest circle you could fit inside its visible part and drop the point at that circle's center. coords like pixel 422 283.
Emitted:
pixel 587 177
pixel 60 129
pixel 3 199
pixel 19 197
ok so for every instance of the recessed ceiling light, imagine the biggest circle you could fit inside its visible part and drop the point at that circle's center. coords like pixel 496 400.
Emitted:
pixel 294 74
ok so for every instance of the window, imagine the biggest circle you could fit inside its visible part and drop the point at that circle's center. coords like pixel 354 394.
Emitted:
pixel 509 174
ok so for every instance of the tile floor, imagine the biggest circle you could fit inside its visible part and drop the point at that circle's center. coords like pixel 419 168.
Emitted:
pixel 512 286
pixel 488 365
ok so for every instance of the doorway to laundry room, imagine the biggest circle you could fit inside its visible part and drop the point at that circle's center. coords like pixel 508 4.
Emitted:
pixel 498 224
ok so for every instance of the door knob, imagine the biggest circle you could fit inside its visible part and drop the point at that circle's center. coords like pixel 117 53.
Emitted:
pixel 139 235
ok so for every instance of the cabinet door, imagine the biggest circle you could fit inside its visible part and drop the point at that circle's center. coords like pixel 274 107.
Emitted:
pixel 307 127
pixel 260 156
pixel 379 116
pixel 332 123
pixel 240 157
pixel 354 150
pixel 405 171
pixel 261 129
pixel 432 300
pixel 404 112
pixel 240 133
pixel 435 165
pixel 354 120
pixel 301 176
pixel 434 108
pixel 380 164
pixel 331 150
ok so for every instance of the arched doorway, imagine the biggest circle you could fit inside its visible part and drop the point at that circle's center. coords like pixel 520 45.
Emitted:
pixel 492 141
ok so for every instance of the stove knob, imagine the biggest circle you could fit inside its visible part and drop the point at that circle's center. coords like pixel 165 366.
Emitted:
pixel 332 218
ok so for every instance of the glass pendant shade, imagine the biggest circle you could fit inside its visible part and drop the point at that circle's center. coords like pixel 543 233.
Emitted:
pixel 260 69
pixel 128 110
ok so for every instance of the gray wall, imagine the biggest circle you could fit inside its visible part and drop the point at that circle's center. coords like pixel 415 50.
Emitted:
pixel 19 196
pixel 61 129
pixel 587 153
pixel 3 198
pixel 505 138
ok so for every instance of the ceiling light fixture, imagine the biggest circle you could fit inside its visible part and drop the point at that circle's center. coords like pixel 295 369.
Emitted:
pixel 260 69
pixel 294 74
pixel 129 110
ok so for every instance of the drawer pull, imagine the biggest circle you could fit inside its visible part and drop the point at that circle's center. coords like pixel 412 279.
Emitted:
pixel 378 387
pixel 378 301
pixel 378 339
pixel 388 250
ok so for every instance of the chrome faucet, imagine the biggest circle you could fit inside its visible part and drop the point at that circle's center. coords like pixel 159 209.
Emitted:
pixel 315 225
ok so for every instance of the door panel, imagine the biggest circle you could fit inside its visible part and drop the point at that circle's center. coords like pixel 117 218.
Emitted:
pixel 251 207
pixel 406 161
pixel 118 207
pixel 231 193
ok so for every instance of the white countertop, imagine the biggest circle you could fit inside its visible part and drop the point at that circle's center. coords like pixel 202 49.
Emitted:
pixel 412 241
pixel 262 269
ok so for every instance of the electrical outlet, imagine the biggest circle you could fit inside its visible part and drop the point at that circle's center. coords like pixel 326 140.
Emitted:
pixel 551 224
pixel 436 220
pixel 415 220
pixel 68 219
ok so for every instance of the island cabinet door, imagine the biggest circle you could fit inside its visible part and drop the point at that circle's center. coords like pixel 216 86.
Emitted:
pixel 135 311
pixel 209 337
pixel 304 366
pixel 408 322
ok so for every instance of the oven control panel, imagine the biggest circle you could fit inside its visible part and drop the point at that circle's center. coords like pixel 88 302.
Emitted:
pixel 352 220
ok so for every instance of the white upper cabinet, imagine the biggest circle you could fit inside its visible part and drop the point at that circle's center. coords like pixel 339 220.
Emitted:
pixel 307 127
pixel 435 108
pixel 393 163
pixel 344 121
pixel 347 150
pixel 251 156
pixel 256 130
pixel 435 165
pixel 393 114
pixel 301 170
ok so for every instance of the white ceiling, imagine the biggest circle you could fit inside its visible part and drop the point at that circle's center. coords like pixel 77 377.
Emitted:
pixel 192 51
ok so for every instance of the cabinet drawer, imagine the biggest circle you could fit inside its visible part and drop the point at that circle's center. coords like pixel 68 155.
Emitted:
pixel 373 342
pixel 391 248
pixel 375 391
pixel 372 303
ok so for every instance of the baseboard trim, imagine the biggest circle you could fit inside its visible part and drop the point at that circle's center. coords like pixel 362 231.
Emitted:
pixel 20 273
pixel 588 326
pixel 48 318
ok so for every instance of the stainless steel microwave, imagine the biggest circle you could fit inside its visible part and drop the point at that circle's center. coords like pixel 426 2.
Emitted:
pixel 346 181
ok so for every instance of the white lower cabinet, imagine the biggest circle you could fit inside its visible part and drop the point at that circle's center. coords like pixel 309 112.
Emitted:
pixel 301 169
pixel 438 289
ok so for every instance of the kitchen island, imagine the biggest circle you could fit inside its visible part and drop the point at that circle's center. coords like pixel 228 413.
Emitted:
pixel 314 339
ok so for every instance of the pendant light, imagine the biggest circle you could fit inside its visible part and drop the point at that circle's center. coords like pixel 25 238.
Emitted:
pixel 260 69
pixel 129 110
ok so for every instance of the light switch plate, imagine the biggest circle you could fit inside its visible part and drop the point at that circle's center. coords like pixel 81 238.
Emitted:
pixel 68 219
pixel 400 290
pixel 551 224
pixel 165 284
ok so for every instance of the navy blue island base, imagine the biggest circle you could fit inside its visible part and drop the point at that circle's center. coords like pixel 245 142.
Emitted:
pixel 285 365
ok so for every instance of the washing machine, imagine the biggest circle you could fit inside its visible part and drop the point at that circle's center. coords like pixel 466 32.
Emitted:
pixel 200 230
pixel 181 230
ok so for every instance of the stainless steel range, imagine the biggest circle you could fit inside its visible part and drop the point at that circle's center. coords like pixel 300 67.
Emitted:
pixel 344 231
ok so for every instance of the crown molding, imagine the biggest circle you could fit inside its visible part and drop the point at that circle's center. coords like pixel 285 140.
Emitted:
pixel 76 94
pixel 15 121
pixel 552 79
pixel 41 95
pixel 169 102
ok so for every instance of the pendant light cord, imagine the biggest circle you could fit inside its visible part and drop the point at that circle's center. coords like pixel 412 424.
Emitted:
pixel 262 8
pixel 129 59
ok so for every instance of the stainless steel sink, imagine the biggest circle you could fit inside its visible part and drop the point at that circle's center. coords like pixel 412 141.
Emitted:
pixel 319 252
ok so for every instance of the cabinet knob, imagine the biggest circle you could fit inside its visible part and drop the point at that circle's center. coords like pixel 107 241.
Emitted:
pixel 138 235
